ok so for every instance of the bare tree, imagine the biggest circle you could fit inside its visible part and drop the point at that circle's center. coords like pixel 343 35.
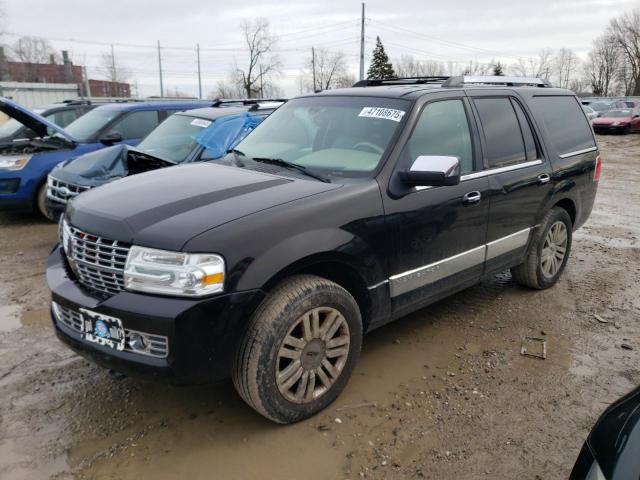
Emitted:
pixel 255 77
pixel 30 49
pixel 539 66
pixel 113 71
pixel 330 68
pixel 603 64
pixel 227 89
pixel 565 64
pixel 408 66
pixel 626 30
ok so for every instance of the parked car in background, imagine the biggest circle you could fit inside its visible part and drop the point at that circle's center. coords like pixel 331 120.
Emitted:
pixel 611 450
pixel 186 137
pixel 602 106
pixel 618 121
pixel 589 112
pixel 61 114
pixel 25 164
pixel 341 212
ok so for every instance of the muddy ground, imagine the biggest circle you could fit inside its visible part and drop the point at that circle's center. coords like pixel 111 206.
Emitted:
pixel 443 393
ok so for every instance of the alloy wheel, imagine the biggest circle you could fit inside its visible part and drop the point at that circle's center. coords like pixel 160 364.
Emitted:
pixel 554 249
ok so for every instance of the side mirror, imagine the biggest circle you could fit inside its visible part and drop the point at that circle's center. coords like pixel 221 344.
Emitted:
pixel 111 138
pixel 432 171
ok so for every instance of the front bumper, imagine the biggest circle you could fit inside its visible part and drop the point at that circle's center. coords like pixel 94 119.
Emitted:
pixel 610 128
pixel 202 334
pixel 54 209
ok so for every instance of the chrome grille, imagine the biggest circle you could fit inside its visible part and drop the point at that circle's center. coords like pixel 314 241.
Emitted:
pixel 61 191
pixel 97 262
pixel 157 345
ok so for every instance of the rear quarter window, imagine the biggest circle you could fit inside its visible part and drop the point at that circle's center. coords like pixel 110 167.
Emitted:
pixel 567 127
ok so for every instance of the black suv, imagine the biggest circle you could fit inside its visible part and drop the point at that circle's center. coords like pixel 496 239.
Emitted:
pixel 341 212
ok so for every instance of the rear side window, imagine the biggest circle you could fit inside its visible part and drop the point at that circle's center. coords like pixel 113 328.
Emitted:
pixel 567 127
pixel 504 141
pixel 136 124
pixel 527 132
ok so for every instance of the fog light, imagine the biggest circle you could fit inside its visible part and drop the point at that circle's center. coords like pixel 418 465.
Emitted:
pixel 138 342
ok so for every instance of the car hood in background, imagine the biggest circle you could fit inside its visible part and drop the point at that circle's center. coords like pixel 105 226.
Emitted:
pixel 32 120
pixel 609 120
pixel 108 164
pixel 166 208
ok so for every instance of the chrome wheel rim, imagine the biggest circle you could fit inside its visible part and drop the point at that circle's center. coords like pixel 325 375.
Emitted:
pixel 312 355
pixel 554 249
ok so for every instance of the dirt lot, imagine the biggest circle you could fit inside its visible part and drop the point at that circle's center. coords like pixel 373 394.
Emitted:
pixel 443 393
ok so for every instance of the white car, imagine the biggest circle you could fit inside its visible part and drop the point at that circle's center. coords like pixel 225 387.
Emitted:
pixel 590 112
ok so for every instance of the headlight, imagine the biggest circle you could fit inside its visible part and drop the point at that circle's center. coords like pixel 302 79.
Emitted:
pixel 16 162
pixel 64 235
pixel 615 124
pixel 173 273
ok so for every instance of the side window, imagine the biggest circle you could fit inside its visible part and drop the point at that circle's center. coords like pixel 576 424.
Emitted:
pixel 442 129
pixel 136 124
pixel 527 132
pixel 63 118
pixel 566 124
pixel 503 138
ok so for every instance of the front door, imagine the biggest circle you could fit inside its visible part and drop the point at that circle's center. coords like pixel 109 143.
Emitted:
pixel 437 234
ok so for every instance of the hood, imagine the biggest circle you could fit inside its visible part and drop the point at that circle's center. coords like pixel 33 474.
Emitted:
pixel 107 164
pixel 607 120
pixel 32 120
pixel 166 208
pixel 615 439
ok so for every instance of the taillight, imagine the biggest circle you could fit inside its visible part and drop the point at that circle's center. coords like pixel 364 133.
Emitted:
pixel 598 169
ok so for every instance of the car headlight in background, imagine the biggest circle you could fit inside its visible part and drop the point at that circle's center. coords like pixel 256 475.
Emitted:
pixel 16 162
pixel 173 273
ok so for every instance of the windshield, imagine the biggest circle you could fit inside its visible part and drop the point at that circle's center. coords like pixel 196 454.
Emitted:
pixel 10 127
pixel 88 125
pixel 600 106
pixel 341 136
pixel 173 139
pixel 619 113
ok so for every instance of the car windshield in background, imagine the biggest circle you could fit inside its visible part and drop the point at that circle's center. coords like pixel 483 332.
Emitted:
pixel 619 113
pixel 87 125
pixel 173 139
pixel 600 106
pixel 10 127
pixel 341 136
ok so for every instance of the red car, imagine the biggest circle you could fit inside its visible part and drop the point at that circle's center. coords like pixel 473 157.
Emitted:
pixel 625 120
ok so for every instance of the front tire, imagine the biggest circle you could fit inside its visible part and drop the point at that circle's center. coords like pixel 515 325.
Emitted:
pixel 299 349
pixel 549 252
pixel 41 202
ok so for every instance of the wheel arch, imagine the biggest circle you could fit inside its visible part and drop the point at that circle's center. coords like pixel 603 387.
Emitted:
pixel 569 206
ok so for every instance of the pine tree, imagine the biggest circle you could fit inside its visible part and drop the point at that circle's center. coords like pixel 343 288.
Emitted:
pixel 497 69
pixel 380 66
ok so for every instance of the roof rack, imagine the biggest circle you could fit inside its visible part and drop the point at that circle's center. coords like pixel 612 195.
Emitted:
pixel 496 80
pixel 375 82
pixel 253 103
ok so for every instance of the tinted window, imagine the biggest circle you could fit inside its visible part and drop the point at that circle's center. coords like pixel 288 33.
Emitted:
pixel 136 124
pixel 442 130
pixel 89 124
pixel 62 118
pixel 567 126
pixel 504 142
pixel 527 132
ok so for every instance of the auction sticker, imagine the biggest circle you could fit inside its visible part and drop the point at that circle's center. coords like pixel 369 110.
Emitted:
pixel 199 122
pixel 384 113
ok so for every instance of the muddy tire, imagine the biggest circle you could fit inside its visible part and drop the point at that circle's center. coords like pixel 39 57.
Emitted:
pixel 41 201
pixel 548 253
pixel 299 349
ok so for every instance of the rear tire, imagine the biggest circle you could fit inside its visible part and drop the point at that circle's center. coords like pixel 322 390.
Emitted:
pixel 548 253
pixel 299 349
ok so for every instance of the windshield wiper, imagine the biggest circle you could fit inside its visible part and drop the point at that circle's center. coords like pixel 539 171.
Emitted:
pixel 291 165
pixel 236 151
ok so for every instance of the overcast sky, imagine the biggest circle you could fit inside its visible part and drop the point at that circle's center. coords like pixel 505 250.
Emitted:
pixel 428 29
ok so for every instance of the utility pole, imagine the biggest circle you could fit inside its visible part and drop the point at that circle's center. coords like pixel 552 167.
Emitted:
pixel 87 86
pixel 114 77
pixel 199 73
pixel 160 70
pixel 313 67
pixel 362 45
pixel 261 83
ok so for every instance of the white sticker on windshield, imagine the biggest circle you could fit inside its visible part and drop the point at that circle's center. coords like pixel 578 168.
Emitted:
pixel 199 122
pixel 384 113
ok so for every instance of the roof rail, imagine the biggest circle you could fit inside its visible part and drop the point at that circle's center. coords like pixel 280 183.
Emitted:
pixel 375 82
pixel 245 101
pixel 496 80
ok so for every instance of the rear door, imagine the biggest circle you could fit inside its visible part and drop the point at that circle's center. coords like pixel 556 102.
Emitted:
pixel 519 176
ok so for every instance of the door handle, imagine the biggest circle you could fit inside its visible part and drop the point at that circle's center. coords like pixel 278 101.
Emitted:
pixel 471 198
pixel 544 178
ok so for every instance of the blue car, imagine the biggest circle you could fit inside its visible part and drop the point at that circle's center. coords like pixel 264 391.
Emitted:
pixel 25 164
